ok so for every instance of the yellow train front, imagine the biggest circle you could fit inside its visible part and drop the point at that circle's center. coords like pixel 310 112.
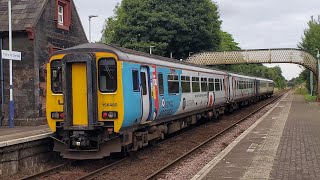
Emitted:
pixel 85 108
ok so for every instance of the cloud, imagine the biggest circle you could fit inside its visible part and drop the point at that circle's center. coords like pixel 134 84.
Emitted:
pixel 255 24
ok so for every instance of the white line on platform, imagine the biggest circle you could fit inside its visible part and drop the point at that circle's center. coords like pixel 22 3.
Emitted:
pixel 25 139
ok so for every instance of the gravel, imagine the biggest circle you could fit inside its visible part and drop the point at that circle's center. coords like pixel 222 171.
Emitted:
pixel 150 160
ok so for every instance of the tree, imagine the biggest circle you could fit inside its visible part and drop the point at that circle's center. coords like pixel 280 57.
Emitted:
pixel 177 26
pixel 227 42
pixel 310 43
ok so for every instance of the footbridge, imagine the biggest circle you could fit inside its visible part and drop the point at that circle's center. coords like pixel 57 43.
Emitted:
pixel 296 56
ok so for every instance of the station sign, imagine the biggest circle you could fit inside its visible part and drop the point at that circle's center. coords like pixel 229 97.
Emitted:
pixel 11 55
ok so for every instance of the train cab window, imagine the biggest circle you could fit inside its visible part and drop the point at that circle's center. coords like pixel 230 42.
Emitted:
pixel 217 85
pixel 56 76
pixel 107 75
pixel 185 84
pixel 135 80
pixel 173 84
pixel 160 80
pixel 204 85
pixel 195 84
pixel 211 84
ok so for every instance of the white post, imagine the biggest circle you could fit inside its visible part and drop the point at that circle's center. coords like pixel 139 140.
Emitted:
pixel 311 83
pixel 89 29
pixel 151 49
pixel 91 16
pixel 11 102
pixel 318 60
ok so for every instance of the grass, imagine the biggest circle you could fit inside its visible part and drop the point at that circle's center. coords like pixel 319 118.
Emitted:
pixel 303 91
pixel 308 97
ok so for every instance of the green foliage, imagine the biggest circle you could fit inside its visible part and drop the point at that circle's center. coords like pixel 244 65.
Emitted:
pixel 311 39
pixel 257 70
pixel 310 42
pixel 227 42
pixel 177 26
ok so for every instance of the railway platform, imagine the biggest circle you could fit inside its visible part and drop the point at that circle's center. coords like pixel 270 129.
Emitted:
pixel 24 149
pixel 18 135
pixel 283 144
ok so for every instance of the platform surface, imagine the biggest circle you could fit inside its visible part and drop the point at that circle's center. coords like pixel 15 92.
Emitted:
pixel 283 144
pixel 11 136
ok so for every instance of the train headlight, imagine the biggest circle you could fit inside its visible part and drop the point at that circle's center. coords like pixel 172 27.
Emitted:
pixel 109 115
pixel 57 115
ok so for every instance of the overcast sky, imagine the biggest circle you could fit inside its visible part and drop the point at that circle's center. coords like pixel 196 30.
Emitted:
pixel 254 24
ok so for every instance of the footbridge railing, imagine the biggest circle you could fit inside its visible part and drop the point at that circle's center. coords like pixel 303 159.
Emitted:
pixel 296 56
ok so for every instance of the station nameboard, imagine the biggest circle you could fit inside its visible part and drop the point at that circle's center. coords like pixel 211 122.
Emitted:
pixel 11 55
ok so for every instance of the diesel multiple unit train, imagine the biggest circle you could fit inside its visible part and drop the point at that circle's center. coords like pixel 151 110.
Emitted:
pixel 103 99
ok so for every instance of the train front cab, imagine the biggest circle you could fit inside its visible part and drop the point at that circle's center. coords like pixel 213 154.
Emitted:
pixel 85 104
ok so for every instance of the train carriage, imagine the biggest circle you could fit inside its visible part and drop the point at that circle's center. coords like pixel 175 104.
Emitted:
pixel 103 99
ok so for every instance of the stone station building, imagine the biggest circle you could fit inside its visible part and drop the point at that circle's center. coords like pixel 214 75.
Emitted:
pixel 40 27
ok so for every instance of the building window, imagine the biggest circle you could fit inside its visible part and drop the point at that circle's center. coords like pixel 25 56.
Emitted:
pixel 60 14
pixel 63 14
pixel 107 75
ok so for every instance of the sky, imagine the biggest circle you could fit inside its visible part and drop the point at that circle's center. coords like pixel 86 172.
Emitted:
pixel 254 24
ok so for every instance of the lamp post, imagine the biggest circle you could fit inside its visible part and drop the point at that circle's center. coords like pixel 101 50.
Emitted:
pixel 91 16
pixel 11 102
pixel 151 49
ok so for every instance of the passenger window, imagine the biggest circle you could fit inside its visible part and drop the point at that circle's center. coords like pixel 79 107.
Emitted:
pixel 173 84
pixel 107 75
pixel 56 76
pixel 204 85
pixel 211 84
pixel 143 83
pixel 135 80
pixel 160 81
pixel 195 84
pixel 217 85
pixel 185 83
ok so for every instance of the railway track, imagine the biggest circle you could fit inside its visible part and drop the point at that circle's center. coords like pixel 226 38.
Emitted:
pixel 160 171
pixel 50 171
pixel 99 172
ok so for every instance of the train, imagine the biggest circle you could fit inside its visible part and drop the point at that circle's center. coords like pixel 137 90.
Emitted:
pixel 104 99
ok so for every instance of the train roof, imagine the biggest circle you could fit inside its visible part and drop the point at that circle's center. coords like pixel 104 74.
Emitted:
pixel 131 55
pixel 250 77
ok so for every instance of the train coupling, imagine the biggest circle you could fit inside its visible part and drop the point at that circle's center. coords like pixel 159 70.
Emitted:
pixel 79 139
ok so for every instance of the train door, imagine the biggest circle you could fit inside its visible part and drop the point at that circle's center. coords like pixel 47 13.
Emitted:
pixel 145 86
pixel 80 93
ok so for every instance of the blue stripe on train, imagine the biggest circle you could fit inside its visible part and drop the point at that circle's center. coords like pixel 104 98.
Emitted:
pixel 168 103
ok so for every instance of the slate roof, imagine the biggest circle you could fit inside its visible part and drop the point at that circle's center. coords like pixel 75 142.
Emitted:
pixel 25 13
